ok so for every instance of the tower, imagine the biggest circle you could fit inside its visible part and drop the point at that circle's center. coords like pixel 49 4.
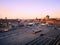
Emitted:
pixel 47 17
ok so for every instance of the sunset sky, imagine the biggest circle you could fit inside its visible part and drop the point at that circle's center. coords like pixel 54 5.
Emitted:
pixel 25 9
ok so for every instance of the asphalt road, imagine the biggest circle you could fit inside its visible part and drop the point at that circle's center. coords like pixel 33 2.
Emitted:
pixel 19 36
pixel 24 35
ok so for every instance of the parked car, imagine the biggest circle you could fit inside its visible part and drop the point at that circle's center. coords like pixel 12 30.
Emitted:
pixel 30 24
pixel 36 31
pixel 4 29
